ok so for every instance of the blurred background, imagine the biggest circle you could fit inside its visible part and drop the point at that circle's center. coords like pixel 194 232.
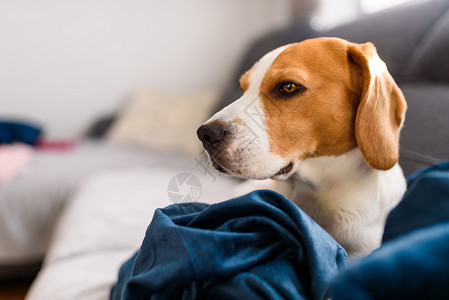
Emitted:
pixel 64 64
pixel 100 101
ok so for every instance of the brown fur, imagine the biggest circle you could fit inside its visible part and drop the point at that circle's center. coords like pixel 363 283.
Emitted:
pixel 380 114
pixel 319 121
pixel 339 108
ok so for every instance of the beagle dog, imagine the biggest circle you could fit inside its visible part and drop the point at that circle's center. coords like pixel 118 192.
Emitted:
pixel 324 116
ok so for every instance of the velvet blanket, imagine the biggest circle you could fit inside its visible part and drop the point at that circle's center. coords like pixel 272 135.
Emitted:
pixel 258 246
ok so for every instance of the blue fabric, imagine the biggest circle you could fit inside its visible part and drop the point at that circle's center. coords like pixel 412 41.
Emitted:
pixel 413 262
pixel 11 132
pixel 261 246
pixel 258 246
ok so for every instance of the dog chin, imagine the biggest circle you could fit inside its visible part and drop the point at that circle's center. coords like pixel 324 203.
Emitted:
pixel 282 174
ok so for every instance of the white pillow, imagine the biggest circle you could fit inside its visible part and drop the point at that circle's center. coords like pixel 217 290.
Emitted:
pixel 164 121
pixel 105 224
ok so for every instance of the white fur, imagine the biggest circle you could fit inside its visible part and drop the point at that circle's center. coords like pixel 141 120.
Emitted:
pixel 258 163
pixel 347 198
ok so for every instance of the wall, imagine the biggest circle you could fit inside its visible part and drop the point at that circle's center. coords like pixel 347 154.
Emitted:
pixel 63 63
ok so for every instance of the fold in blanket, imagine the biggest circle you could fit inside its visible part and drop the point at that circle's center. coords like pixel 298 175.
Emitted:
pixel 413 262
pixel 258 246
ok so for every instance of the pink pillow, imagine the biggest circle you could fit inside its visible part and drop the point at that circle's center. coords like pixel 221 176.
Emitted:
pixel 13 160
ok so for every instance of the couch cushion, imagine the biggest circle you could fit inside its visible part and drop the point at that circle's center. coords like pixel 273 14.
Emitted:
pixel 430 60
pixel 398 33
pixel 425 136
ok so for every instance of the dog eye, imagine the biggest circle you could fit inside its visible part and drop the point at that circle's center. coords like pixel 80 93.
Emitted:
pixel 288 88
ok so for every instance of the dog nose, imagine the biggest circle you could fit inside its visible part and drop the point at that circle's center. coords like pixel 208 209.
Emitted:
pixel 211 133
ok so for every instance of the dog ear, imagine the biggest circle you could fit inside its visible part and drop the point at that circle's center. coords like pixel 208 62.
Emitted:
pixel 381 110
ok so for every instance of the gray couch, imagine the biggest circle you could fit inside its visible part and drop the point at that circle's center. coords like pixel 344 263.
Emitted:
pixel 413 40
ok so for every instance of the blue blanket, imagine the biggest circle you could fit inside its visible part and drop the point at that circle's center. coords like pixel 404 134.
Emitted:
pixel 11 132
pixel 261 246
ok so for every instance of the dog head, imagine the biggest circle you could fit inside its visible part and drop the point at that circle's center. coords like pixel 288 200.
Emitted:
pixel 319 97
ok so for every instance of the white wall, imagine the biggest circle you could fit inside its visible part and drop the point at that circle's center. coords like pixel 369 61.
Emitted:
pixel 62 63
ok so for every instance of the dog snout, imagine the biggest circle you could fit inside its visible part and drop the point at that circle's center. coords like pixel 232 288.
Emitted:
pixel 211 133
